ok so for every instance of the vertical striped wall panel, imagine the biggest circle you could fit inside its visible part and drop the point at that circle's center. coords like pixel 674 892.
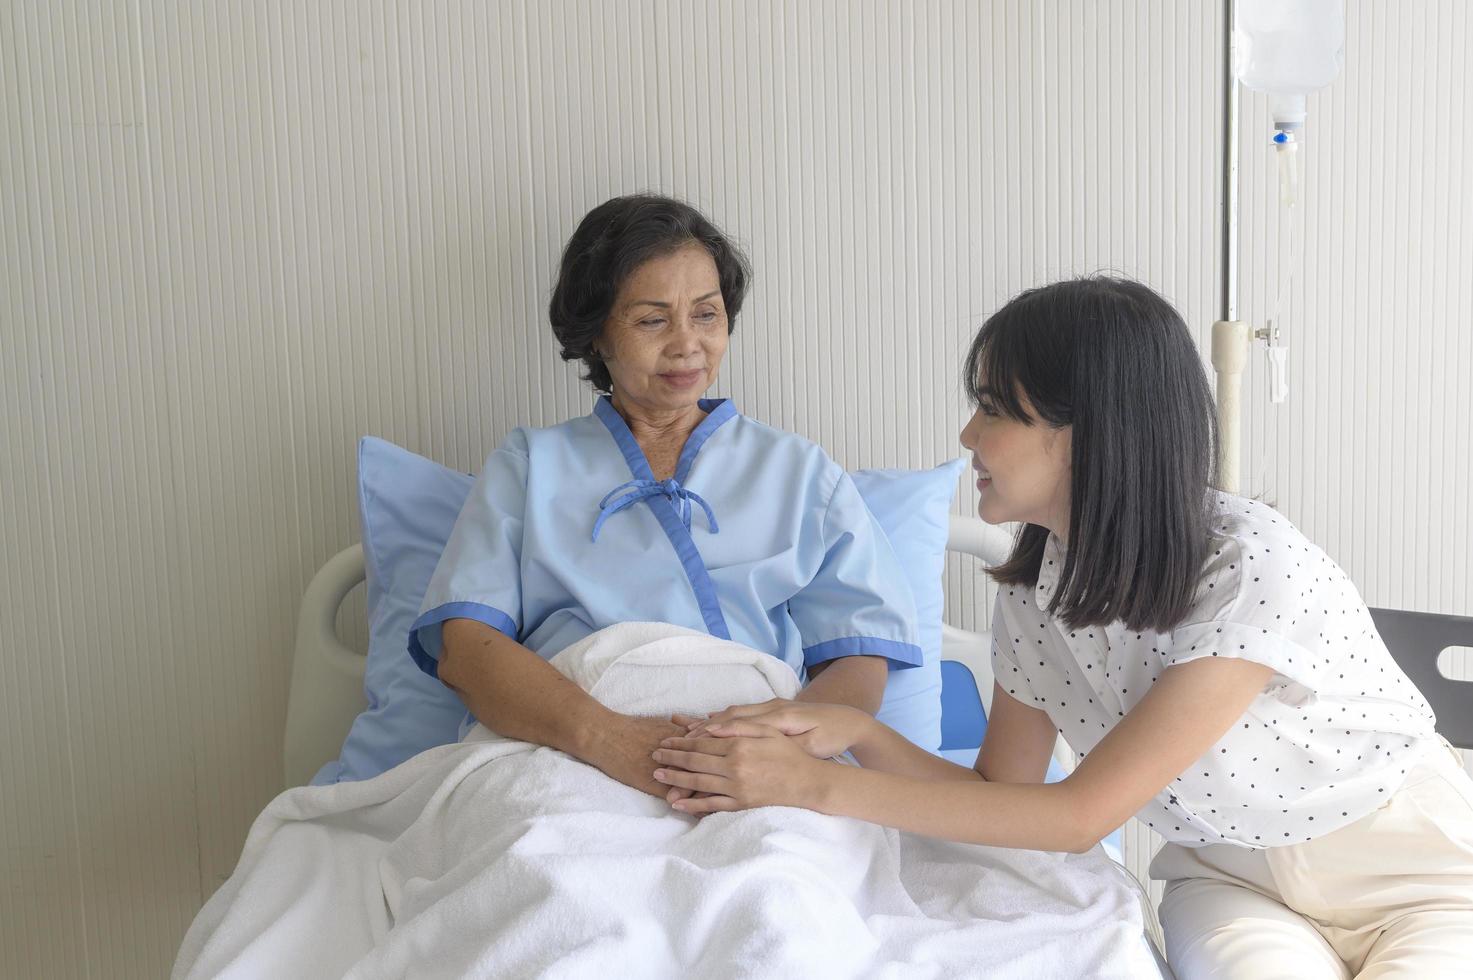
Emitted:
pixel 1368 275
pixel 237 236
pixel 1371 455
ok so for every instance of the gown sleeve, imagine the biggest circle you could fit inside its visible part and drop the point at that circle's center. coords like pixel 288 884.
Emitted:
pixel 858 603
pixel 479 573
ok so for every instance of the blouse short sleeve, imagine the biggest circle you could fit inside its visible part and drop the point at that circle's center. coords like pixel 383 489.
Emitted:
pixel 1270 595
pixel 1276 603
pixel 1007 670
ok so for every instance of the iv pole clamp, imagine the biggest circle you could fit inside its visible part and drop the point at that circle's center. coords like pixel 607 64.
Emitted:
pixel 1230 339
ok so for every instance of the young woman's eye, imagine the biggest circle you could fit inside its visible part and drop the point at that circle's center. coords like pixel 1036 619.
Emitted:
pixel 987 409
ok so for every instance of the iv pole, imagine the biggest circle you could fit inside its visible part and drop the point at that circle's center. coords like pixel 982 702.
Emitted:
pixel 1230 336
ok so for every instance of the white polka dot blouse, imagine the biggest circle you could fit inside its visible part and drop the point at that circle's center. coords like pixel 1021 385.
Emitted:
pixel 1328 740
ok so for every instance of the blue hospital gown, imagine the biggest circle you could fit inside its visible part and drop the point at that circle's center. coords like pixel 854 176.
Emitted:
pixel 759 538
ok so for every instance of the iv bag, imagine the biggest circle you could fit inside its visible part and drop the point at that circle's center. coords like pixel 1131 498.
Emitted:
pixel 1287 49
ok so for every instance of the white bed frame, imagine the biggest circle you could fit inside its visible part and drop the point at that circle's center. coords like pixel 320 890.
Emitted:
pixel 327 675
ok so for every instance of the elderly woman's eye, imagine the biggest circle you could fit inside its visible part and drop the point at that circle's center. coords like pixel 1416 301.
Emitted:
pixel 706 316
pixel 653 321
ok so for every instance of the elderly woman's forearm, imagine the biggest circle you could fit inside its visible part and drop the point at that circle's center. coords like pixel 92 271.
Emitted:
pixel 856 681
pixel 516 693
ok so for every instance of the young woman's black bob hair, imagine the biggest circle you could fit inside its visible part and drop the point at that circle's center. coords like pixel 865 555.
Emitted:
pixel 1112 359
pixel 612 241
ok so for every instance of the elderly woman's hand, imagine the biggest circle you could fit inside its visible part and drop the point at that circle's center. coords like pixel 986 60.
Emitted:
pixel 763 768
pixel 821 730
pixel 624 751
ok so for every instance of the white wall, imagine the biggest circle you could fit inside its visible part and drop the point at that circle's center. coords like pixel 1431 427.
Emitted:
pixel 238 235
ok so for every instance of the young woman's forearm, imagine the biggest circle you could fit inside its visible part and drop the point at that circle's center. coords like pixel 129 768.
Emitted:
pixel 1188 710
pixel 886 750
pixel 860 683
pixel 1029 815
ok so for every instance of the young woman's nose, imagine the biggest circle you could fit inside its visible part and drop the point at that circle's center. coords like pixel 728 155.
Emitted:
pixel 968 435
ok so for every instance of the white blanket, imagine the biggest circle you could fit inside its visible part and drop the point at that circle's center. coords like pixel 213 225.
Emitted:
pixel 497 858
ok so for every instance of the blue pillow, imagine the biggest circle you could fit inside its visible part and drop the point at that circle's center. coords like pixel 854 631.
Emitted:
pixel 408 506
pixel 914 507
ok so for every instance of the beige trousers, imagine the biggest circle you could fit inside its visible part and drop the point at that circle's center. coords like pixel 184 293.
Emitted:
pixel 1390 895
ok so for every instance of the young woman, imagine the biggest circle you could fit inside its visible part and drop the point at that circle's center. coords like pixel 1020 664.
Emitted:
pixel 1219 677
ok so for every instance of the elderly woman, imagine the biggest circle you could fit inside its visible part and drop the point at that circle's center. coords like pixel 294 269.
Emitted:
pixel 660 506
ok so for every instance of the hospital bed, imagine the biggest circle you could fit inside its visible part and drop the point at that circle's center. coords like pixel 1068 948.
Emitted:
pixel 327 679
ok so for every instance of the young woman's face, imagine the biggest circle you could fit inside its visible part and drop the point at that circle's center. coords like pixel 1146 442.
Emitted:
pixel 667 332
pixel 1022 469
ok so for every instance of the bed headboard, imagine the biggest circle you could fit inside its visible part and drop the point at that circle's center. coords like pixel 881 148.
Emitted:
pixel 327 675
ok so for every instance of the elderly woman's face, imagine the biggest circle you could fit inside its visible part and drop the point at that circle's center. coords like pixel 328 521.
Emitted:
pixel 667 332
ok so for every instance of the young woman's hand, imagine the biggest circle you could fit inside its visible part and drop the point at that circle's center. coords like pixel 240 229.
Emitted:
pixel 763 768
pixel 821 730
pixel 675 794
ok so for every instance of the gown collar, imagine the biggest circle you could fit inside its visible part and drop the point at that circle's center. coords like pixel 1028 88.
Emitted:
pixel 718 411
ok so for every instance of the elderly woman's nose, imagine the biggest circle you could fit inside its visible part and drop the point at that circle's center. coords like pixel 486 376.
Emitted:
pixel 685 332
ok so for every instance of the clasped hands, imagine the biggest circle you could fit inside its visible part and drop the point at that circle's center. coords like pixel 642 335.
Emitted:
pixel 770 754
